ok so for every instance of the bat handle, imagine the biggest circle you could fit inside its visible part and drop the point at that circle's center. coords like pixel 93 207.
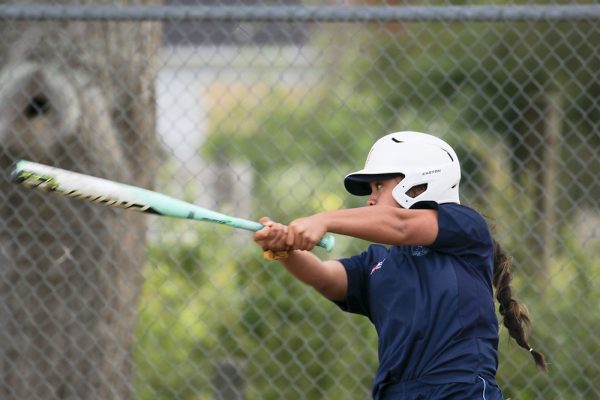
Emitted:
pixel 327 242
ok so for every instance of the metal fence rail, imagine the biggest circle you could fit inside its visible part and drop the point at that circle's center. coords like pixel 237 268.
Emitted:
pixel 314 14
pixel 259 110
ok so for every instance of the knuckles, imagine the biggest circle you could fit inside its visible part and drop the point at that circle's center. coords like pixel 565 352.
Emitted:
pixel 298 235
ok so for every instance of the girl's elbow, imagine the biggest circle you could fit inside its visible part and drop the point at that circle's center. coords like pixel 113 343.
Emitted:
pixel 331 293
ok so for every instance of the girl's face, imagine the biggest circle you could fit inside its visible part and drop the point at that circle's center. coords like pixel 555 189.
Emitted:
pixel 381 192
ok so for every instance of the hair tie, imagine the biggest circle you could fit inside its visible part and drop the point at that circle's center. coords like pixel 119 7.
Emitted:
pixel 531 349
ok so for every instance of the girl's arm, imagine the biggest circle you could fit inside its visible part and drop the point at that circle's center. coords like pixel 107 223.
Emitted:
pixel 380 224
pixel 377 224
pixel 327 277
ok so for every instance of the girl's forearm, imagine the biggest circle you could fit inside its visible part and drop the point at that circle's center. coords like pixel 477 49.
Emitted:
pixel 385 225
pixel 328 278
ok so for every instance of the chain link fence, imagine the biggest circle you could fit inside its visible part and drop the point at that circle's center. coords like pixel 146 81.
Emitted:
pixel 254 110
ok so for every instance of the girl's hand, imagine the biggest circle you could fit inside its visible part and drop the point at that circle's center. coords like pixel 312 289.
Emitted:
pixel 272 237
pixel 305 233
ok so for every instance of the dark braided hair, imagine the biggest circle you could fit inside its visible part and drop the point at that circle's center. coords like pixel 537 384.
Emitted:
pixel 514 315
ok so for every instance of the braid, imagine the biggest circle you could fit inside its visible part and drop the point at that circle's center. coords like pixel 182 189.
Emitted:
pixel 514 315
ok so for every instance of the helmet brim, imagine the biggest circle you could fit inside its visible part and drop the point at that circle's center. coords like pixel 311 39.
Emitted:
pixel 358 183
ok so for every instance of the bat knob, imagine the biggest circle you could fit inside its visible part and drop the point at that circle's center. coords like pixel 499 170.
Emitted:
pixel 275 255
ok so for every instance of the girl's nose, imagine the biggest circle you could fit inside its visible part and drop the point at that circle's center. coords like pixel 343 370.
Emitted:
pixel 371 201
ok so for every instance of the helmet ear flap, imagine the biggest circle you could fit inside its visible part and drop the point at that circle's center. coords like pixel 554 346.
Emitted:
pixel 399 194
pixel 409 189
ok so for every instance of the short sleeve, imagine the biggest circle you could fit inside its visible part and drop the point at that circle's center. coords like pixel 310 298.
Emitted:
pixel 462 231
pixel 358 272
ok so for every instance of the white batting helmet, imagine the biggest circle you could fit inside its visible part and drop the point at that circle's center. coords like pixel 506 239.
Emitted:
pixel 423 159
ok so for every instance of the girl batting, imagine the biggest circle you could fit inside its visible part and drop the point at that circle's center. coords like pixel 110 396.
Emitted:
pixel 426 283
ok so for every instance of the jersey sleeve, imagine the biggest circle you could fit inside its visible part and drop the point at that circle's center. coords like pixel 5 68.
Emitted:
pixel 462 231
pixel 357 272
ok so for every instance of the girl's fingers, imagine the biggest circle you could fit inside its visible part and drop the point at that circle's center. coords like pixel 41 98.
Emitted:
pixel 275 236
pixel 290 238
pixel 266 221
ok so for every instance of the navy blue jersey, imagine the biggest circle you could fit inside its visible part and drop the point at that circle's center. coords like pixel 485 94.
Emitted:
pixel 432 307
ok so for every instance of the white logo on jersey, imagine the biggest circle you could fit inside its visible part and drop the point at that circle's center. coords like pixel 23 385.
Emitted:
pixel 377 266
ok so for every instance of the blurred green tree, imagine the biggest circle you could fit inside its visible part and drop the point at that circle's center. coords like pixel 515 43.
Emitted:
pixel 516 100
pixel 524 83
pixel 298 148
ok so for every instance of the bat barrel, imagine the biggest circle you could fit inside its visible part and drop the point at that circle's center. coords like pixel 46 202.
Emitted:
pixel 106 192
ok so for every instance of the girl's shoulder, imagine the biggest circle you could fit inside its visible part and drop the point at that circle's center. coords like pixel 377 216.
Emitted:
pixel 461 211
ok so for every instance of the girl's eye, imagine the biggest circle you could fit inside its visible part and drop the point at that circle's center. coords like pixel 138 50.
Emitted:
pixel 379 186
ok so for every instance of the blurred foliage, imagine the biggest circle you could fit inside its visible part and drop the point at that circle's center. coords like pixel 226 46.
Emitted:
pixel 288 341
pixel 297 143
pixel 297 169
pixel 187 287
pixel 478 88
pixel 267 320
pixel 496 80
pixel 490 86
pixel 285 127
